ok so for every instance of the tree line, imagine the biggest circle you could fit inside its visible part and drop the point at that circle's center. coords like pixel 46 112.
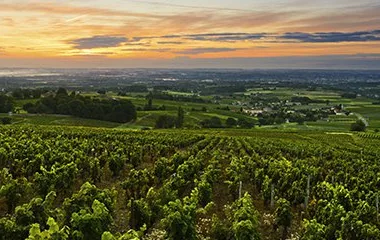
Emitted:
pixel 108 109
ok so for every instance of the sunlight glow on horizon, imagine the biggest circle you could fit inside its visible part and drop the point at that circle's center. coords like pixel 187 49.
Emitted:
pixel 42 29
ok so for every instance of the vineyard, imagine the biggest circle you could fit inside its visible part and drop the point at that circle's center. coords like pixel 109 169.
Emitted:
pixel 88 183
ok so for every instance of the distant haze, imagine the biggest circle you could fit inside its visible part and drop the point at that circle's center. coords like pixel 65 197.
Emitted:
pixel 316 62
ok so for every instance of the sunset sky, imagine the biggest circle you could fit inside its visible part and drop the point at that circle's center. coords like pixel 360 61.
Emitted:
pixel 196 33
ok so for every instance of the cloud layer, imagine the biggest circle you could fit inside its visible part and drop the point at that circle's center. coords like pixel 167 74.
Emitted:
pixel 321 37
pixel 162 30
pixel 195 51
pixel 360 61
pixel 98 42
pixel 301 37
pixel 333 37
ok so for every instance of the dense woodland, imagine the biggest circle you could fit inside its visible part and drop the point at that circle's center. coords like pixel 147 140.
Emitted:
pixel 82 183
pixel 6 104
pixel 114 110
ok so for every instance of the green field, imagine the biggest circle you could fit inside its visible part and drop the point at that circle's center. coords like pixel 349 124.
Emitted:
pixel 194 113
pixel 57 120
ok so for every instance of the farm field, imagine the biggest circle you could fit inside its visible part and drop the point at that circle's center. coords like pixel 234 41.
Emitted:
pixel 191 160
pixel 189 120
pixel 57 120
pixel 187 184
pixel 223 108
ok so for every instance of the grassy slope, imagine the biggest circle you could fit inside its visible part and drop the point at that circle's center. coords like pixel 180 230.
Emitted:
pixel 193 113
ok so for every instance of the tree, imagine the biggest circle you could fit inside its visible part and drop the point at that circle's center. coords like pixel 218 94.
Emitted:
pixel 114 110
pixel 358 126
pixel 231 122
pixel 180 117
pixel 18 94
pixel 283 216
pixel 279 120
pixel 149 105
pixel 6 120
pixel 29 107
pixel 76 107
pixel 36 93
pixel 244 123
pixel 102 91
pixel 122 112
pixel 350 95
pixel 213 122
pixel 47 105
pixel 6 104
pixel 300 120
pixel 62 92
pixel 166 121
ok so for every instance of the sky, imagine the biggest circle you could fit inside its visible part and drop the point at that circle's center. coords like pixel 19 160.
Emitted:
pixel 341 34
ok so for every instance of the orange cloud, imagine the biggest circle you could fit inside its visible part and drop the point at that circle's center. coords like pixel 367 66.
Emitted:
pixel 35 29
